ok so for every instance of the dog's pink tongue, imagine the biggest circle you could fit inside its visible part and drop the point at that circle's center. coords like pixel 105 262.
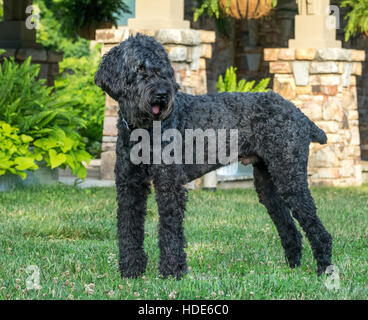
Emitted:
pixel 156 109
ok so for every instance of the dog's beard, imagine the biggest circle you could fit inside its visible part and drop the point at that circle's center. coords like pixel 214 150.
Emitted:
pixel 150 109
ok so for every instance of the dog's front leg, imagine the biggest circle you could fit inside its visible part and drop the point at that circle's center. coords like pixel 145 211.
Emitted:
pixel 171 199
pixel 133 187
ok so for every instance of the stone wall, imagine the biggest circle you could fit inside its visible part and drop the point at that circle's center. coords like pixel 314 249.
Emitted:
pixel 322 83
pixel 360 42
pixel 187 49
pixel 48 60
pixel 240 42
pixel 273 31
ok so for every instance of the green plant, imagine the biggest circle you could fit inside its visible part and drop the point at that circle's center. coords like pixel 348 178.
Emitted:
pixel 31 107
pixel 230 84
pixel 357 17
pixel 1 9
pixel 51 36
pixel 209 7
pixel 212 8
pixel 76 86
pixel 75 15
pixel 15 155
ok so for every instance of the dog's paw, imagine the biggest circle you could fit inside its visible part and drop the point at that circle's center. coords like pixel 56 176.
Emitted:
pixel 324 269
pixel 176 271
pixel 294 260
pixel 132 266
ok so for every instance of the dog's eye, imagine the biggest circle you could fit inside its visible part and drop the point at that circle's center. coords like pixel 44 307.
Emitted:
pixel 142 69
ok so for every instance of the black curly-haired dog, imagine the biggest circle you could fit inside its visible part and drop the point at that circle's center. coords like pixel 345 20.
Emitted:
pixel 274 135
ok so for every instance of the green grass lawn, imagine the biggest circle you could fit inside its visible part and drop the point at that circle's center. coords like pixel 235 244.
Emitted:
pixel 233 249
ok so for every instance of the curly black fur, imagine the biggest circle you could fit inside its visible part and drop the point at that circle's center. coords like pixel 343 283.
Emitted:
pixel 137 73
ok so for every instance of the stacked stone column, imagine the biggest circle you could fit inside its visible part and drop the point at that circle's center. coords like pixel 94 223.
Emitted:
pixel 322 83
pixel 188 50
pixel 20 42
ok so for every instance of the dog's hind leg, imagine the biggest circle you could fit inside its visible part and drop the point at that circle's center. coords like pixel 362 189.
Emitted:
pixel 133 187
pixel 291 239
pixel 291 180
pixel 171 198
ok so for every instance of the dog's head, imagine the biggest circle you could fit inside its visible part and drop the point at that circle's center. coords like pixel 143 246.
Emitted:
pixel 138 74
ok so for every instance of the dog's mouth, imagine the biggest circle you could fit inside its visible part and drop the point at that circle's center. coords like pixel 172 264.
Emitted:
pixel 158 107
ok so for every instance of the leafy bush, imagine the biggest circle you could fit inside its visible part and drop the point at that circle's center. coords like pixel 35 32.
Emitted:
pixel 357 17
pixel 1 9
pixel 51 35
pixel 29 106
pixel 212 8
pixel 230 83
pixel 15 156
pixel 76 86
pixel 75 15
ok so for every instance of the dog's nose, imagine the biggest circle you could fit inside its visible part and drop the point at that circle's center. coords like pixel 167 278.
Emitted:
pixel 161 94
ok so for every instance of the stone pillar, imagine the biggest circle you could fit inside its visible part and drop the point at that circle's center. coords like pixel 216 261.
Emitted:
pixel 188 50
pixel 159 14
pixel 13 30
pixel 322 83
pixel 20 42
pixel 314 27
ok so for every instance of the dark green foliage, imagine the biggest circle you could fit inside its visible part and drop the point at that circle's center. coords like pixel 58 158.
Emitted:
pixel 209 7
pixel 76 86
pixel 75 14
pixel 1 10
pixel 51 35
pixel 212 8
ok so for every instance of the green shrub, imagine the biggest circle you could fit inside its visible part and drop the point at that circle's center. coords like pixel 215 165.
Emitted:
pixel 73 15
pixel 230 83
pixel 212 8
pixel 1 10
pixel 357 17
pixel 29 106
pixel 15 156
pixel 76 86
pixel 51 36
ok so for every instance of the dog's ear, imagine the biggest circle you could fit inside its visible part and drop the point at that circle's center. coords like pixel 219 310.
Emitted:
pixel 176 87
pixel 110 73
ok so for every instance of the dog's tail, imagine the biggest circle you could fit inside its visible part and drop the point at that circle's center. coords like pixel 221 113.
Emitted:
pixel 317 134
